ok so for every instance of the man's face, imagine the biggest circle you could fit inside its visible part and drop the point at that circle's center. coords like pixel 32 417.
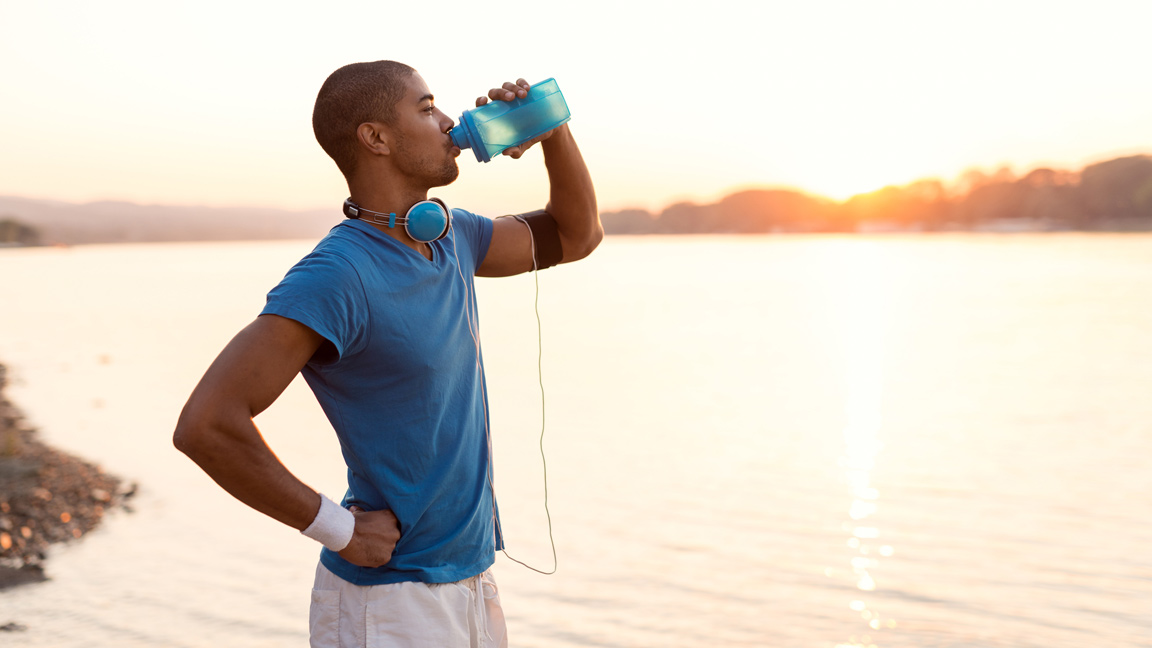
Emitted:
pixel 421 147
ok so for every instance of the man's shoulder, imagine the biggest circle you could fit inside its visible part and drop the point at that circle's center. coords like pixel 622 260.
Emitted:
pixel 468 216
pixel 343 247
pixel 333 262
pixel 475 228
pixel 341 240
pixel 324 291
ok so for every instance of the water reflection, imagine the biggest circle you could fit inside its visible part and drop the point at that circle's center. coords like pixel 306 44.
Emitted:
pixel 862 445
pixel 861 312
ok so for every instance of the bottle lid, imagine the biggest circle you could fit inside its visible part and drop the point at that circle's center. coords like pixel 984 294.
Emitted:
pixel 459 135
pixel 465 136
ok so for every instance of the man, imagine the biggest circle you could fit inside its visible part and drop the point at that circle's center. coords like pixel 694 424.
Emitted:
pixel 382 324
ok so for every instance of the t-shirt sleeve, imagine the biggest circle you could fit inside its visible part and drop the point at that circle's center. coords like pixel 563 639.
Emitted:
pixel 324 292
pixel 476 230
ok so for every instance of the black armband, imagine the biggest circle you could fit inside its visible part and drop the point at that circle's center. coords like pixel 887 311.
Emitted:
pixel 545 238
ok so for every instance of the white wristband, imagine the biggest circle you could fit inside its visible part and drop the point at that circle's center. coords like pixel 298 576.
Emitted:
pixel 333 526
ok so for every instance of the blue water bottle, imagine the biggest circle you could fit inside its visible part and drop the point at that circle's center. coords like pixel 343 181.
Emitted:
pixel 497 125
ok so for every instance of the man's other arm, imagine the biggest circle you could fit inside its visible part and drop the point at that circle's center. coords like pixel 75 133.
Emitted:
pixel 571 201
pixel 216 431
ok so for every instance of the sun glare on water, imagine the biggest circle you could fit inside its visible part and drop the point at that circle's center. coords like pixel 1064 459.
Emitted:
pixel 858 309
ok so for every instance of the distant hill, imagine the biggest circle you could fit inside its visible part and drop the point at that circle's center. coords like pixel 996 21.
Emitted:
pixel 1110 196
pixel 1115 195
pixel 124 222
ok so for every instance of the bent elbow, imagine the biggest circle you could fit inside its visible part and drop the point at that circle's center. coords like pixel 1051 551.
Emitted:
pixel 593 241
pixel 185 438
pixel 193 435
pixel 579 248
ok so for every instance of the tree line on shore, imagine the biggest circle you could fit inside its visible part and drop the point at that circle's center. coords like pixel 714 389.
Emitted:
pixel 28 221
pixel 13 232
pixel 1115 195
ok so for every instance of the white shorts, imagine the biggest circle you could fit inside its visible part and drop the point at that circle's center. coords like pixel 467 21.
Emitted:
pixel 464 614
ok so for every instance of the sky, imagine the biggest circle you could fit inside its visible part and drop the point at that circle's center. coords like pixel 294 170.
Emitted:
pixel 209 103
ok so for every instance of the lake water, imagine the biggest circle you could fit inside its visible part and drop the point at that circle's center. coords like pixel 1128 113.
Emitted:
pixel 796 441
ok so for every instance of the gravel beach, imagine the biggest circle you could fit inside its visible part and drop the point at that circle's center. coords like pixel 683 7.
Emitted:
pixel 46 496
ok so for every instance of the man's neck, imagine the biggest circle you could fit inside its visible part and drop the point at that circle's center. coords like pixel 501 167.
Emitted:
pixel 381 200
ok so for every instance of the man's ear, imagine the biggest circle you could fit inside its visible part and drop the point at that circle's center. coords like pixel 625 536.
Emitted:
pixel 375 137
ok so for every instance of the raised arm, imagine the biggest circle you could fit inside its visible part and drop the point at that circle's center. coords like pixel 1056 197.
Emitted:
pixel 571 200
pixel 216 431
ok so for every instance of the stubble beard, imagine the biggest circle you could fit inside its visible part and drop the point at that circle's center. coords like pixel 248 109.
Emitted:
pixel 418 164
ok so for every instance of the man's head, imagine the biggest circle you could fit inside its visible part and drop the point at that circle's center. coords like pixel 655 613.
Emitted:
pixel 383 106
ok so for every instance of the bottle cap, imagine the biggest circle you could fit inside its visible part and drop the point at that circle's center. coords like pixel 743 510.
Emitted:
pixel 465 136
pixel 459 135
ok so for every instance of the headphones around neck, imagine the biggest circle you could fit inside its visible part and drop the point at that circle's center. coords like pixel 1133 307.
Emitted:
pixel 426 221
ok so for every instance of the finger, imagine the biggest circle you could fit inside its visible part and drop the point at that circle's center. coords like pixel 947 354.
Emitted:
pixel 517 89
pixel 515 152
pixel 502 93
pixel 509 91
pixel 523 84
pixel 480 101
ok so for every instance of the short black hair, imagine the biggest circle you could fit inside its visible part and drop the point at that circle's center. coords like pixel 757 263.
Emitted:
pixel 355 94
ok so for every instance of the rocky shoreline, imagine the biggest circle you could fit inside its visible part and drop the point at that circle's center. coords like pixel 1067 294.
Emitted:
pixel 46 496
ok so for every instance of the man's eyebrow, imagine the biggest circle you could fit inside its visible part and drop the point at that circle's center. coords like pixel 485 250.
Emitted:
pixel 427 97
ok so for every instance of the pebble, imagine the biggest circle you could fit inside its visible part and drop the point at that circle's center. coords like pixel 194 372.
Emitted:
pixel 46 496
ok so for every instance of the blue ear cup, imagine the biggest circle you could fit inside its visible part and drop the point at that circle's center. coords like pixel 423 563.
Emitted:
pixel 428 220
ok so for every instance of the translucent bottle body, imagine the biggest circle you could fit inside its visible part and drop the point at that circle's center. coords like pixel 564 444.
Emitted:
pixel 498 125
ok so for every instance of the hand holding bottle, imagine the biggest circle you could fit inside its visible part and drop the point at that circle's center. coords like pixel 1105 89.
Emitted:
pixel 511 119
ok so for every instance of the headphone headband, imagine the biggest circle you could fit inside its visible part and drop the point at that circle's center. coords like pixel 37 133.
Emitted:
pixel 426 221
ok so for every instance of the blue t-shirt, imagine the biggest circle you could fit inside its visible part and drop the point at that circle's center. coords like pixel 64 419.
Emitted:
pixel 400 379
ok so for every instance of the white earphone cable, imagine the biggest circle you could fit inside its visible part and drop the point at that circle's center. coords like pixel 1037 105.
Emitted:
pixel 473 330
